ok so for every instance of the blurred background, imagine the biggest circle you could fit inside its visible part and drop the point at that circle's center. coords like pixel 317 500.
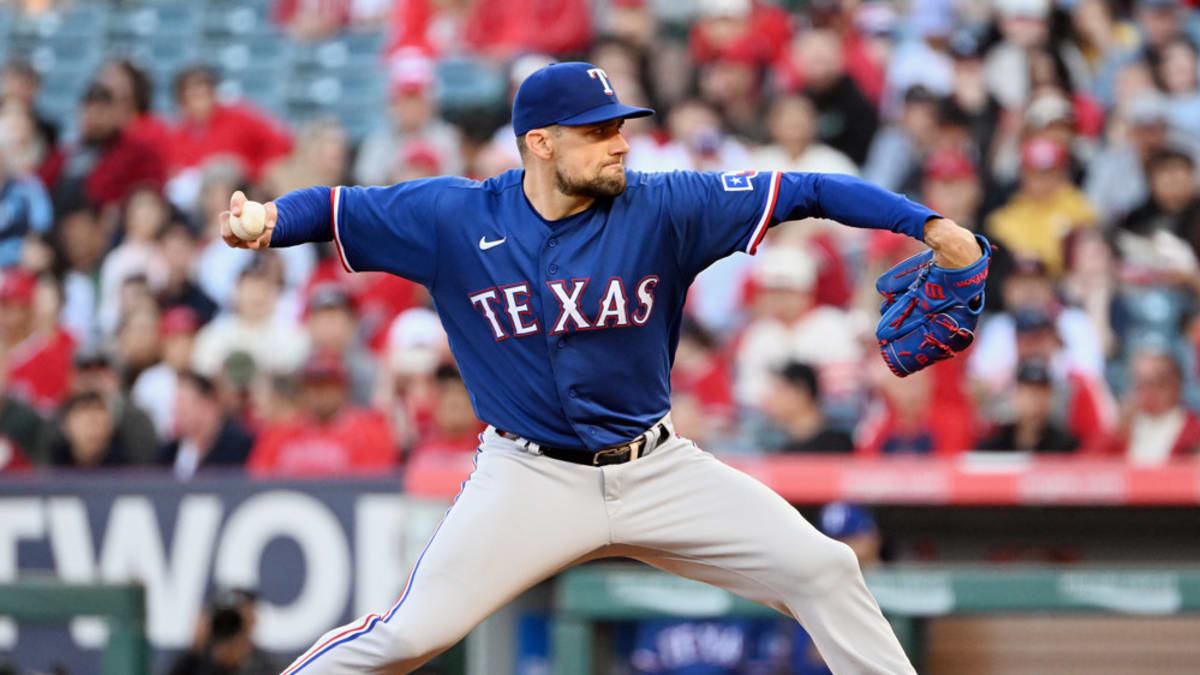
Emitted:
pixel 210 456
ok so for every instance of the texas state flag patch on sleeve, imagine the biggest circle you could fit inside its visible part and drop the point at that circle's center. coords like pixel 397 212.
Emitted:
pixel 737 181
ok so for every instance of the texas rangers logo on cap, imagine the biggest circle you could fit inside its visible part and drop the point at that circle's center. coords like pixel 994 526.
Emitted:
pixel 570 94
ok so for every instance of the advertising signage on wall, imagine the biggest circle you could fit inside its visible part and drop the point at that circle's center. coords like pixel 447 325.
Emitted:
pixel 319 552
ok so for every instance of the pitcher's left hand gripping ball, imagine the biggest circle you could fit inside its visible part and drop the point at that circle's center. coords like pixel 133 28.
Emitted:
pixel 929 312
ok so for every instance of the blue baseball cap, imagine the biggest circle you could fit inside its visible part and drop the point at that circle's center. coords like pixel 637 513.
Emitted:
pixel 570 94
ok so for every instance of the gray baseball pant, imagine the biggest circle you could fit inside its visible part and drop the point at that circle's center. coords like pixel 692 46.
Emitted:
pixel 522 517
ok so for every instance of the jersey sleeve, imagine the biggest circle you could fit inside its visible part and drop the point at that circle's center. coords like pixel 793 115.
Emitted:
pixel 713 214
pixel 389 229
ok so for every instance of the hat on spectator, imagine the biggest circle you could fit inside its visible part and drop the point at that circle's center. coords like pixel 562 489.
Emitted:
pixel 784 268
pixel 731 8
pixel 17 287
pixel 1032 320
pixel 324 367
pixel 1033 371
pixel 1048 109
pixel 97 93
pixel 91 356
pixel 919 93
pixel 415 342
pixel 328 296
pixel 570 94
pixel 1029 9
pixel 411 72
pixel 1148 108
pixel 421 154
pixel 1042 154
pixel 949 164
pixel 180 320
pixel 843 519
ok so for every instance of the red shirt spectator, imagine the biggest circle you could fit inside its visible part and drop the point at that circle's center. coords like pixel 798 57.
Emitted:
pixel 208 128
pixel 37 364
pixel 454 428
pixel 744 30
pixel 330 437
pixel 499 28
pixel 906 421
pixel 108 163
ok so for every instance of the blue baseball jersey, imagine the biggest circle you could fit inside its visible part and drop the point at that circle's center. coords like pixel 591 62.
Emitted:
pixel 565 331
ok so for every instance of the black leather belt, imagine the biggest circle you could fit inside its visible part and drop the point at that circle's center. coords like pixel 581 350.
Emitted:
pixel 617 454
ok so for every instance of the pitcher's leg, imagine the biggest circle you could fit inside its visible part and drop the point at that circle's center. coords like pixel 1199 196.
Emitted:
pixel 697 517
pixel 518 520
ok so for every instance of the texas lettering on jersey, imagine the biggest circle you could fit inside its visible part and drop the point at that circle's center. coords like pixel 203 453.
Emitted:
pixel 616 310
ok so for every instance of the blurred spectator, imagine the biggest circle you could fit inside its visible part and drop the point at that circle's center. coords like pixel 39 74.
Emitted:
pixel 88 439
pixel 331 330
pixel 698 142
pixel 137 343
pixel 494 29
pixel 330 436
pixel 320 157
pixel 454 428
pixel 416 346
pixel 105 164
pixel 37 360
pixel 898 151
pixel 223 641
pixel 748 31
pixel 1091 282
pixel 154 389
pixel 1116 181
pixel 26 151
pixel 846 119
pixel 24 206
pixel 1046 207
pixel 903 419
pixel 208 127
pixel 702 370
pixel 951 187
pixel 132 429
pixel 412 115
pixel 1160 22
pixel 1174 201
pixel 1155 426
pixel 310 20
pixel 144 215
pixel 1032 428
pixel 80 245
pixel 177 247
pixel 921 57
pixel 793 405
pixel 19 84
pixel 253 327
pixel 1098 43
pixel 1177 72
pixel 204 436
pixel 133 94
pixel 792 122
pixel 1024 25
pixel 789 327
pixel 23 432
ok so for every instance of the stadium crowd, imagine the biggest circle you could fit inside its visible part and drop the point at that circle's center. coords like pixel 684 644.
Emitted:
pixel 1067 131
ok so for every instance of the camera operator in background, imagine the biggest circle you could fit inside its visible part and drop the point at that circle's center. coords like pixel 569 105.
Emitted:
pixel 223 644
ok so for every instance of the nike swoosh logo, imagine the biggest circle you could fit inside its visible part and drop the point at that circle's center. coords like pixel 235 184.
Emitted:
pixel 484 244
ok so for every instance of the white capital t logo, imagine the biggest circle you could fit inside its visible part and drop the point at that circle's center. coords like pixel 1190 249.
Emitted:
pixel 598 74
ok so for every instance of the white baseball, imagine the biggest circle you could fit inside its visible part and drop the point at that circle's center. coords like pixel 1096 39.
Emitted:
pixel 252 223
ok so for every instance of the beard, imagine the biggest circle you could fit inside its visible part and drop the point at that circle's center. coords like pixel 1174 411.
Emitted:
pixel 598 187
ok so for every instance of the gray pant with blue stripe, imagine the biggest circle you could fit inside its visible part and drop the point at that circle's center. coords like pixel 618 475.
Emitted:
pixel 523 517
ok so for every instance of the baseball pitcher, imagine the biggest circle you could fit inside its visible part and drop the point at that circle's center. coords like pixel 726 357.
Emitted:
pixel 561 286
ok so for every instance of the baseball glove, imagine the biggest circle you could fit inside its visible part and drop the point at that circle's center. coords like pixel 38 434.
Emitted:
pixel 929 312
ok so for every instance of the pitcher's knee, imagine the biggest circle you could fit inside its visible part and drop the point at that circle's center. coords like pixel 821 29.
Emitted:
pixel 826 566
